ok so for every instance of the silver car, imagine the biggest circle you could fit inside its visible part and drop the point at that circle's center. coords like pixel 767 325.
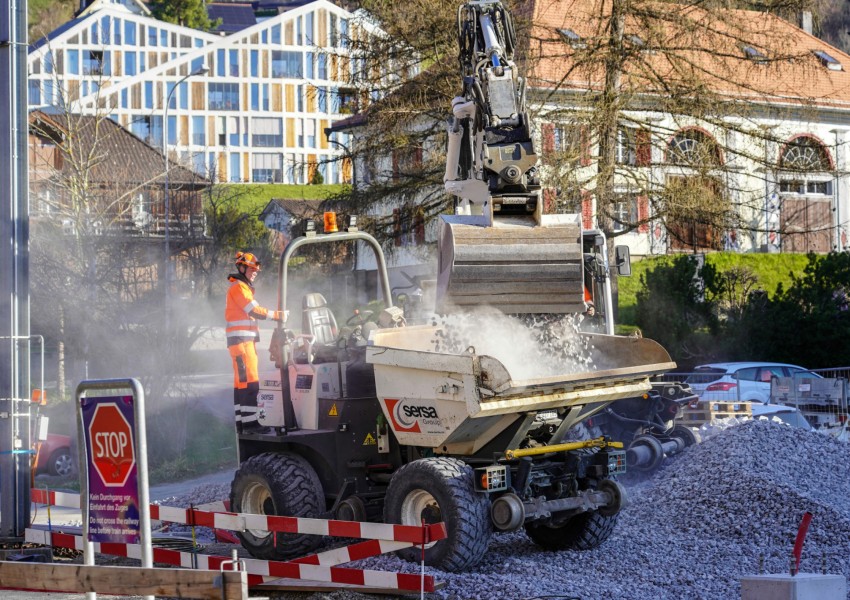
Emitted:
pixel 740 381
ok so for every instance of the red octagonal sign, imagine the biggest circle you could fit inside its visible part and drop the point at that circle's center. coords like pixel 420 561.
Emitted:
pixel 112 449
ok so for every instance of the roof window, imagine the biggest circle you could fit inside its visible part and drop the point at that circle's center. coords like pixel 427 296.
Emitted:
pixel 754 54
pixel 572 37
pixel 828 61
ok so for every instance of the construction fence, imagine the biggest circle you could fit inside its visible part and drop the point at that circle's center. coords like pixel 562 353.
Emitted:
pixel 819 395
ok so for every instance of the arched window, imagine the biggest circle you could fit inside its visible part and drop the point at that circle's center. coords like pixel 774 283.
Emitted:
pixel 805 153
pixel 694 148
pixel 805 196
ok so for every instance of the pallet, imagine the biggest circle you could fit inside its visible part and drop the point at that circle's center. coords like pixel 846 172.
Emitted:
pixel 706 412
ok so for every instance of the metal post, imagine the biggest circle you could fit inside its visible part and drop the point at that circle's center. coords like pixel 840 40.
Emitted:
pixel 201 71
pixel 14 275
pixel 141 468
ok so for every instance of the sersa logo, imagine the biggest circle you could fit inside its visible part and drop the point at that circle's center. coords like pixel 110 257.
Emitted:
pixel 405 417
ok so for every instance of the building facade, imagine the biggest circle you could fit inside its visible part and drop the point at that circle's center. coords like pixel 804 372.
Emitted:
pixel 755 162
pixel 250 107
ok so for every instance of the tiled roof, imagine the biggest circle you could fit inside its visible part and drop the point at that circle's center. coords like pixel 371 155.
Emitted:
pixel 703 52
pixel 234 17
pixel 120 157
pixel 297 208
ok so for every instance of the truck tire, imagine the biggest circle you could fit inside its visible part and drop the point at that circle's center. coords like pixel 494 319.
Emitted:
pixel 277 484
pixel 584 531
pixel 441 489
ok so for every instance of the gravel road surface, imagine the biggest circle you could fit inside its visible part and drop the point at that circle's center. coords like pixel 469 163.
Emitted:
pixel 710 516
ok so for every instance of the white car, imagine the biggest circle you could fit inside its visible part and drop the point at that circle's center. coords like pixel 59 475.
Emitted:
pixel 740 381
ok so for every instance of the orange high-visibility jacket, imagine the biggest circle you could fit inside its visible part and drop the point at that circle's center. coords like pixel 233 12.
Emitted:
pixel 241 312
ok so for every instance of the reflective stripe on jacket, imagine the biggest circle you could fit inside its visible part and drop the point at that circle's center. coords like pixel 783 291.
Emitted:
pixel 241 312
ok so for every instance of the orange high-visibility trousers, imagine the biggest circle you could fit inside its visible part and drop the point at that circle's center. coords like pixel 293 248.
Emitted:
pixel 246 382
pixel 244 357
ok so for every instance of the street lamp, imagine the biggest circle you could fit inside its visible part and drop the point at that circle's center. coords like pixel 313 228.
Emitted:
pixel 348 154
pixel 200 71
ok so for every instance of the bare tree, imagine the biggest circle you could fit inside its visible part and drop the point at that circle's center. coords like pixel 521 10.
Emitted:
pixel 621 89
pixel 97 229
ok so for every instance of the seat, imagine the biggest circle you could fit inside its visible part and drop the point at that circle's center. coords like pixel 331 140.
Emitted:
pixel 318 321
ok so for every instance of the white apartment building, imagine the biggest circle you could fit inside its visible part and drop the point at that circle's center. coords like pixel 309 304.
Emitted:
pixel 249 107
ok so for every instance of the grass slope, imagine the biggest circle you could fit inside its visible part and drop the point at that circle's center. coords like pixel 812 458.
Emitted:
pixel 771 270
pixel 256 196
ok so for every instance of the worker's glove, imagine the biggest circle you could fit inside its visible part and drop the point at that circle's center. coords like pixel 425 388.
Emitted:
pixel 280 315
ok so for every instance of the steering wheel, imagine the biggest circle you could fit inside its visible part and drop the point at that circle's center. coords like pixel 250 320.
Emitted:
pixel 359 317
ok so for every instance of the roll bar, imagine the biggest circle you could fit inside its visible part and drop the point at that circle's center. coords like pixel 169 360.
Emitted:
pixel 346 236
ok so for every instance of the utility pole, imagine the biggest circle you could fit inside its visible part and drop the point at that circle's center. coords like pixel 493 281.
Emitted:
pixel 14 273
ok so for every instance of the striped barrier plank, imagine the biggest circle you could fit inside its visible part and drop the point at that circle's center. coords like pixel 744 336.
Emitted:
pixel 259 571
pixel 414 534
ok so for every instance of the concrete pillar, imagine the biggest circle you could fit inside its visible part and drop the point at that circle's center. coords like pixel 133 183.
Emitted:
pixel 657 231
pixel 733 184
pixel 769 240
pixel 802 586
pixel 841 190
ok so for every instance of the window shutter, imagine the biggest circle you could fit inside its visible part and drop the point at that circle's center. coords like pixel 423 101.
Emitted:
pixel 395 167
pixel 586 210
pixel 548 130
pixel 396 222
pixel 643 213
pixel 643 148
pixel 584 146
pixel 549 200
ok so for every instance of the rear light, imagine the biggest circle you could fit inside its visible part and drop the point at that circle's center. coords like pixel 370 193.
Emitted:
pixel 492 479
pixel 721 387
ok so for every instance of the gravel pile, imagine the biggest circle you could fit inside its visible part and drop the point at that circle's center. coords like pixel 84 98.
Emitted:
pixel 711 515
pixel 200 495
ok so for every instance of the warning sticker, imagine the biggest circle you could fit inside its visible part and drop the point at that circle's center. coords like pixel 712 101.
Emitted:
pixel 370 440
pixel 333 412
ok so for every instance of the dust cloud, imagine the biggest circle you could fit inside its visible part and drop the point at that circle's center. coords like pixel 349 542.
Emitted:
pixel 530 347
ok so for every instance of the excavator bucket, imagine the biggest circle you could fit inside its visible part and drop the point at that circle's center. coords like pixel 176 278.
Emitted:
pixel 513 265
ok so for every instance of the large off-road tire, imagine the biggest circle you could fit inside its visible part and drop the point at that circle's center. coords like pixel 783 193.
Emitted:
pixel 584 531
pixel 277 484
pixel 441 489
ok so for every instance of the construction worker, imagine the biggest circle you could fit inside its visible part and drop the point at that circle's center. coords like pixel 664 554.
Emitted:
pixel 241 312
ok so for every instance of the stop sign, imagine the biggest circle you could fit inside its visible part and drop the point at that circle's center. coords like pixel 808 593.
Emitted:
pixel 111 438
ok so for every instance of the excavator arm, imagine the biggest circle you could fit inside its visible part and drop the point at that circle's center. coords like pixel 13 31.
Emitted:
pixel 491 165
pixel 499 249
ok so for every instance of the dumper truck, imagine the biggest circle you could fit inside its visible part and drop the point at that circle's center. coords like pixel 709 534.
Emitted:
pixel 371 423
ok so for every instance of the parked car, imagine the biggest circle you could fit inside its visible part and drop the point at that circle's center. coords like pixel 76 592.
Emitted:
pixel 56 456
pixel 787 414
pixel 740 381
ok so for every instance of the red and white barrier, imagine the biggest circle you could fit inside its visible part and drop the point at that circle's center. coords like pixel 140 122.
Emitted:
pixel 381 538
pixel 259 571
pixel 414 534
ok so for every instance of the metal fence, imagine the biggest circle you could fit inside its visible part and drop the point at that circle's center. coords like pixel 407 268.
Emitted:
pixel 820 395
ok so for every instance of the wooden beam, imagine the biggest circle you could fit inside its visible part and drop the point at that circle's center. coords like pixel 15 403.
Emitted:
pixel 133 581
